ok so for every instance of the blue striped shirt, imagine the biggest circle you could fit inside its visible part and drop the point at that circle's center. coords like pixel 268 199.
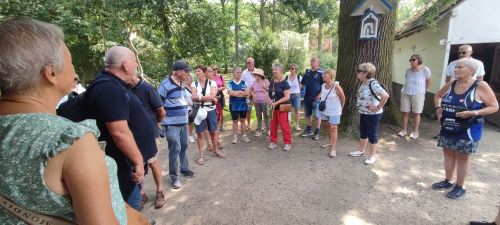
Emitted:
pixel 174 102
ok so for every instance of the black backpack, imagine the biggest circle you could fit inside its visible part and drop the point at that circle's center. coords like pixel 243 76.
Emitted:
pixel 388 103
pixel 76 107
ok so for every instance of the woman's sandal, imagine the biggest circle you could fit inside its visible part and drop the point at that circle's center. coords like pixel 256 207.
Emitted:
pixel 326 146
pixel 333 154
pixel 201 160
pixel 218 154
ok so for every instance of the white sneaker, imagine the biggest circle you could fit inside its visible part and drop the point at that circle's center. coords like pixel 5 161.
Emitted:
pixel 287 148
pixel 245 138
pixel 258 133
pixel 371 160
pixel 402 133
pixel 235 139
pixel 297 128
pixel 356 153
pixel 414 135
pixel 272 146
pixel 191 139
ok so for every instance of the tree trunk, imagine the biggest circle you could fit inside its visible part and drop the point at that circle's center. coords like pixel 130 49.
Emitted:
pixel 236 30
pixel 273 21
pixel 320 35
pixel 224 43
pixel 353 52
pixel 262 14
pixel 167 33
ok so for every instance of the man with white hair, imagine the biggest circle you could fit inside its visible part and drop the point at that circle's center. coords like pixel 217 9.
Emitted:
pixel 248 77
pixel 123 123
pixel 465 52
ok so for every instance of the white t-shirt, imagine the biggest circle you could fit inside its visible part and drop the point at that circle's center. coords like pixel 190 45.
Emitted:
pixel 450 70
pixel 294 84
pixel 209 106
pixel 333 106
pixel 248 77
pixel 415 81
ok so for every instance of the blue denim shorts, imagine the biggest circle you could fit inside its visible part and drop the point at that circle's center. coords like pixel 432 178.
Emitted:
pixel 334 120
pixel 311 108
pixel 295 100
pixel 209 123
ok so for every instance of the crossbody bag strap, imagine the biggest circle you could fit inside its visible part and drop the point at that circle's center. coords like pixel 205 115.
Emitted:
pixel 373 93
pixel 29 216
pixel 334 84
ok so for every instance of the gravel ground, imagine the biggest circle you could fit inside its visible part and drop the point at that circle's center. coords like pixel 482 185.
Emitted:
pixel 254 185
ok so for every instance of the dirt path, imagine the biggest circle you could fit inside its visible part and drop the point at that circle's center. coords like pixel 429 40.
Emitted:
pixel 304 186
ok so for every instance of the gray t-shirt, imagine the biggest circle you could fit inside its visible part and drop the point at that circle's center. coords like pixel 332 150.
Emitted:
pixel 415 81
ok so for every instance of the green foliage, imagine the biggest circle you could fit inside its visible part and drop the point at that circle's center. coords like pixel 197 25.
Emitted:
pixel 295 49
pixel 328 60
pixel 266 49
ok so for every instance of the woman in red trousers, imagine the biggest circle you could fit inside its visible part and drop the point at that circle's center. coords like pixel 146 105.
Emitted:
pixel 279 92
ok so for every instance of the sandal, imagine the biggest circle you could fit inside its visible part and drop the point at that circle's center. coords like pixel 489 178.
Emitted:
pixel 144 200
pixel 201 160
pixel 160 200
pixel 219 154
pixel 333 154
pixel 356 153
pixel 326 145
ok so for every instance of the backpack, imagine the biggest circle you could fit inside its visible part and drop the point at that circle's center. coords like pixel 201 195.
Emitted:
pixel 388 103
pixel 76 108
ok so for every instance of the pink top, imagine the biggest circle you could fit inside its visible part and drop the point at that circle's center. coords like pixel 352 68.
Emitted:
pixel 261 95
pixel 219 80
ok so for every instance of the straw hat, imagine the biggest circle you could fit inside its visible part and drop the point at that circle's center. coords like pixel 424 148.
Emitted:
pixel 259 72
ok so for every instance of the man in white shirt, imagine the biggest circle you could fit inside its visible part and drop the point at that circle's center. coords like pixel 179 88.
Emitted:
pixel 248 77
pixel 464 51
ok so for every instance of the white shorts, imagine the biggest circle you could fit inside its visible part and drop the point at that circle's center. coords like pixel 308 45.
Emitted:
pixel 412 103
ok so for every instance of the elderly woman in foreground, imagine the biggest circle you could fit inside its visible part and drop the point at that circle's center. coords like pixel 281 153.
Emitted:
pixel 279 93
pixel 460 106
pixel 50 165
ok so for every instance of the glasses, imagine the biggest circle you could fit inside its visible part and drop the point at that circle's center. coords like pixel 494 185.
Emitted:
pixel 411 60
pixel 215 68
pixel 293 68
pixel 361 71
pixel 249 62
pixel 462 53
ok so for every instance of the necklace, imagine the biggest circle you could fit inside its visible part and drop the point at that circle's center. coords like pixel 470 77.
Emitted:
pixel 28 100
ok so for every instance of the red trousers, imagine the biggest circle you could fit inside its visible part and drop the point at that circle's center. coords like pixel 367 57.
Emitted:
pixel 280 118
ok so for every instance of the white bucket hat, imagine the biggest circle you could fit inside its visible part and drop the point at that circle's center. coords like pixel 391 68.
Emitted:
pixel 200 116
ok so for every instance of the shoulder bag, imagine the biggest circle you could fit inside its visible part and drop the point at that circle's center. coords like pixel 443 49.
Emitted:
pixel 322 104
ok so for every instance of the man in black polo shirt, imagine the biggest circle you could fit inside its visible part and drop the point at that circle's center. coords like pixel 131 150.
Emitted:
pixel 123 123
pixel 153 105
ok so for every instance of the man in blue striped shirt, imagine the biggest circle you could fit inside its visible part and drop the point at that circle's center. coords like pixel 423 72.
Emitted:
pixel 171 91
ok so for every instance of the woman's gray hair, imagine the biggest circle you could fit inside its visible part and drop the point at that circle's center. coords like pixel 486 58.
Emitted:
pixel 236 68
pixel 26 47
pixel 469 63
pixel 277 65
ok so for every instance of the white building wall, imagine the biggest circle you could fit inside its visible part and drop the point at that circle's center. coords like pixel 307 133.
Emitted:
pixel 425 42
pixel 476 21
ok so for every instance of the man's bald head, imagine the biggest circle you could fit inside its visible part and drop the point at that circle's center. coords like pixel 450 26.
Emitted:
pixel 121 62
pixel 116 56
pixel 250 63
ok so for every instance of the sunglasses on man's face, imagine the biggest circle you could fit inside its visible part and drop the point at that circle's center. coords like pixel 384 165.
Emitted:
pixel 249 62
pixel 462 53
pixel 293 68
pixel 361 71
pixel 411 60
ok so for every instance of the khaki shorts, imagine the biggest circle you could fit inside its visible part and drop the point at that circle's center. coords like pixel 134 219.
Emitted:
pixel 154 158
pixel 412 103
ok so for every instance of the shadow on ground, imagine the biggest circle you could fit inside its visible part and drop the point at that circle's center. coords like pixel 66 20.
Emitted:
pixel 304 186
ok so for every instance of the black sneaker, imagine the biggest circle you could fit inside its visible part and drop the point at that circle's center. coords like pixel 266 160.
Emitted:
pixel 445 184
pixel 316 135
pixel 457 192
pixel 187 173
pixel 307 133
pixel 481 223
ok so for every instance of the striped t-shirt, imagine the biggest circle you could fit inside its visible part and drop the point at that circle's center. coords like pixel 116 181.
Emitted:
pixel 174 102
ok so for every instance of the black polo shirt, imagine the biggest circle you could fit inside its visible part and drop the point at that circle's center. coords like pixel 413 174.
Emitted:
pixel 150 100
pixel 114 101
